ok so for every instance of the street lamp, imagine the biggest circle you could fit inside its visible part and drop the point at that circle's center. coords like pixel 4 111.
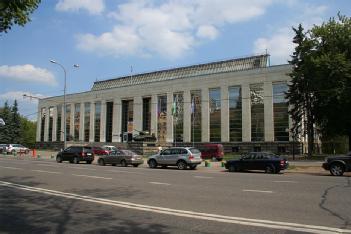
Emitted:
pixel 64 102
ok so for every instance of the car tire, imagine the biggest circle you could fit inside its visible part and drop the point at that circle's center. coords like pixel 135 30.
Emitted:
pixel 270 169
pixel 181 165
pixel 123 163
pixel 192 167
pixel 101 162
pixel 337 169
pixel 59 159
pixel 113 164
pixel 75 160
pixel 152 163
pixel 232 168
pixel 89 162
pixel 135 165
pixel 70 161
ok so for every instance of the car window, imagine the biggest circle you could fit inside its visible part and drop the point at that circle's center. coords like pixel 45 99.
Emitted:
pixel 194 150
pixel 246 156
pixel 166 152
pixel 184 151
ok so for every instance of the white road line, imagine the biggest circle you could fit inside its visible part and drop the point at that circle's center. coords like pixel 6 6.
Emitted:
pixel 95 177
pixel 51 172
pixel 159 183
pixel 184 213
pixel 13 168
pixel 128 172
pixel 46 165
pixel 257 191
pixel 285 181
pixel 79 168
pixel 203 177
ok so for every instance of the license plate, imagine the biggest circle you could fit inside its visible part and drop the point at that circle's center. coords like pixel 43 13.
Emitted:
pixel 88 154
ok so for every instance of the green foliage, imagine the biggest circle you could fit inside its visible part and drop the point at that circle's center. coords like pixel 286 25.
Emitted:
pixel 17 129
pixel 16 12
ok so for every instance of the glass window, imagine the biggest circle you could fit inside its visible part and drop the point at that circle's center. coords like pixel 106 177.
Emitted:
pixel 147 114
pixel 235 113
pixel 51 122
pixel 97 121
pixel 68 121
pixel 215 114
pixel 280 112
pixel 161 118
pixel 177 112
pixel 109 117
pixel 257 112
pixel 86 121
pixel 42 127
pixel 76 121
pixel 195 115
pixel 58 123
pixel 127 116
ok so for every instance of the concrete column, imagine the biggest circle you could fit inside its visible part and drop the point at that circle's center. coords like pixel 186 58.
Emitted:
pixel 103 122
pixel 71 130
pixel 38 124
pixel 169 135
pixel 54 123
pixel 187 117
pixel 268 112
pixel 81 122
pixel 138 113
pixel 62 123
pixel 92 122
pixel 205 116
pixel 246 113
pixel 154 115
pixel 116 121
pixel 46 129
pixel 224 114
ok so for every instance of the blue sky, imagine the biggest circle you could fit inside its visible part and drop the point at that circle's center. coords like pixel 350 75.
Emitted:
pixel 108 37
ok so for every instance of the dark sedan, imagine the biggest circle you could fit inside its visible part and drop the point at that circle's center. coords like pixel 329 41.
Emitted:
pixel 121 157
pixel 268 162
pixel 337 165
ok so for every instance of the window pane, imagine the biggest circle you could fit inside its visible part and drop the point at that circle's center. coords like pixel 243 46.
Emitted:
pixel 161 118
pixel 235 113
pixel 257 112
pixel 97 121
pixel 280 112
pixel 86 121
pixel 58 123
pixel 177 112
pixel 196 116
pixel 76 121
pixel 215 114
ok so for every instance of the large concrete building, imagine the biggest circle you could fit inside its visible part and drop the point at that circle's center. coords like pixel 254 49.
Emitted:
pixel 239 103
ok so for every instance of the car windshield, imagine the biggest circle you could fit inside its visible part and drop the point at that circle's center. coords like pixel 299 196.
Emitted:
pixel 194 151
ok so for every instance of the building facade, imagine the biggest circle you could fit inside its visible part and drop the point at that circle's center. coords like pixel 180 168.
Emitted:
pixel 235 102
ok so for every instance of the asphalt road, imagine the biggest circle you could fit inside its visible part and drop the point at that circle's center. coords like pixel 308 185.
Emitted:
pixel 44 196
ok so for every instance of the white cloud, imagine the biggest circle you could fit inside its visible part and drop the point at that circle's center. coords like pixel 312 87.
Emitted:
pixel 169 29
pixel 92 6
pixel 27 73
pixel 279 44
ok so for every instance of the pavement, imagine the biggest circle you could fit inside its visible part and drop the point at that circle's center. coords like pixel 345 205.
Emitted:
pixel 302 166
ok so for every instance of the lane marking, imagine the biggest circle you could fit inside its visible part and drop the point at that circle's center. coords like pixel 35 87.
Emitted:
pixel 184 213
pixel 13 168
pixel 95 177
pixel 257 191
pixel 285 181
pixel 46 165
pixel 79 168
pixel 51 172
pixel 203 177
pixel 159 183
pixel 128 172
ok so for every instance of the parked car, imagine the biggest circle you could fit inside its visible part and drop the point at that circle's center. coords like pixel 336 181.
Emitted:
pixel 121 157
pixel 16 148
pixel 109 148
pixel 266 161
pixel 99 150
pixel 2 148
pixel 75 154
pixel 209 151
pixel 337 165
pixel 182 157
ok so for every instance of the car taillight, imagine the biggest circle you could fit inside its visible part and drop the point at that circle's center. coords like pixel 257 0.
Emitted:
pixel 191 156
pixel 282 162
pixel 82 154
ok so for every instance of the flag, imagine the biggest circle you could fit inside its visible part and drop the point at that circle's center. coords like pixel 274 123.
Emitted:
pixel 2 122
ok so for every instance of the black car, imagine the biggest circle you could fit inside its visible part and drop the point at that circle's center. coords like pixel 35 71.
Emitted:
pixel 337 165
pixel 266 161
pixel 75 154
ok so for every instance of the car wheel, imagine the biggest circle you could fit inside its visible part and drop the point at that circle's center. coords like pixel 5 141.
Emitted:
pixel 269 169
pixel 113 164
pixel 89 162
pixel 59 159
pixel 75 160
pixel 337 169
pixel 135 165
pixel 192 167
pixel 123 163
pixel 70 161
pixel 101 162
pixel 181 165
pixel 152 163
pixel 232 168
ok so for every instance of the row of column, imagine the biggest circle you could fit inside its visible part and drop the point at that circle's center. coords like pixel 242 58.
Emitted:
pixel 138 116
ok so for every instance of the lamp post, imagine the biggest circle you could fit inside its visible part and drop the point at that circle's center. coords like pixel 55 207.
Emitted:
pixel 64 102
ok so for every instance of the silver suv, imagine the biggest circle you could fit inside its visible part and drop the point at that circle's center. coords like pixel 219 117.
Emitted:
pixel 182 157
pixel 16 148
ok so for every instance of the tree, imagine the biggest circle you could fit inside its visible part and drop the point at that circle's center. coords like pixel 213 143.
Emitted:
pixel 28 132
pixel 16 12
pixel 300 95
pixel 5 130
pixel 15 124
